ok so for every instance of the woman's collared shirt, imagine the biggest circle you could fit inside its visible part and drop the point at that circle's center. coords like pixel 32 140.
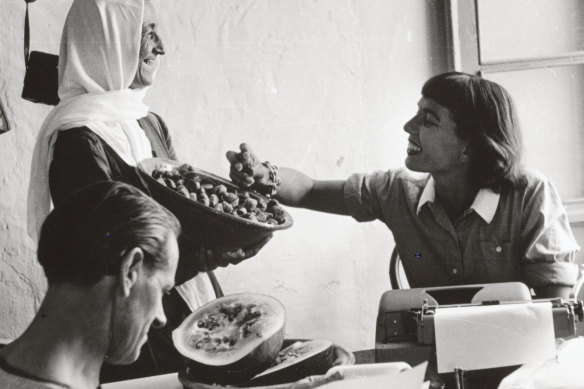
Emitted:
pixel 521 234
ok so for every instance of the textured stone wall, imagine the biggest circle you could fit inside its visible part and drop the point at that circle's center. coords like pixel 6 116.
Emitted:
pixel 324 86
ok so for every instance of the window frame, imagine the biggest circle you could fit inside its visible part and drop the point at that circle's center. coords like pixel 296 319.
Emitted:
pixel 464 38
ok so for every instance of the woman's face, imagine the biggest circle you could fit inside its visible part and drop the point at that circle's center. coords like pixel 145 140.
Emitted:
pixel 433 144
pixel 150 50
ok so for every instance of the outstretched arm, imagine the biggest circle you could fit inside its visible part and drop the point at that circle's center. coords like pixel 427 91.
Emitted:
pixel 296 188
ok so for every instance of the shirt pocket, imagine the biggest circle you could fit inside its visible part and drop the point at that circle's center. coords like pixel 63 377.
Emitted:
pixel 426 261
pixel 494 261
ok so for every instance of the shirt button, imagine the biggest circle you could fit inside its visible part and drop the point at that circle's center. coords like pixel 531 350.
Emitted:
pixel 454 271
pixel 498 249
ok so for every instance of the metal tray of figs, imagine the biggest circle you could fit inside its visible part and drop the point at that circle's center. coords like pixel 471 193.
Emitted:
pixel 213 211
pixel 341 357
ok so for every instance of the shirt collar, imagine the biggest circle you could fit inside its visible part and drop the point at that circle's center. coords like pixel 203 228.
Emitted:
pixel 428 195
pixel 485 202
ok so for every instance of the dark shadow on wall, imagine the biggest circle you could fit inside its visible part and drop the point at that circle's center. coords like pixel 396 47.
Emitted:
pixel 440 47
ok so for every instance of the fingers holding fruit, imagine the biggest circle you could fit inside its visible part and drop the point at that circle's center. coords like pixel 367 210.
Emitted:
pixel 249 162
pixel 246 169
pixel 211 259
pixel 252 250
pixel 236 256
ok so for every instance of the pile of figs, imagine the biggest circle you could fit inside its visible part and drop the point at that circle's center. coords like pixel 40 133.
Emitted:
pixel 205 190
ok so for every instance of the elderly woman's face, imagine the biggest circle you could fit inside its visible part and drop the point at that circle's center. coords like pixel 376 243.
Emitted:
pixel 150 50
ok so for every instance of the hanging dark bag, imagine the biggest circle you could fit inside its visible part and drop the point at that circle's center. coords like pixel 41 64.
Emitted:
pixel 41 80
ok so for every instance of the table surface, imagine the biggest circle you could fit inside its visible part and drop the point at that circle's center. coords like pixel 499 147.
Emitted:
pixel 170 381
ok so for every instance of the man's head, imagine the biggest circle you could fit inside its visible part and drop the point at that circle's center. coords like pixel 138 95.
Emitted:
pixel 111 233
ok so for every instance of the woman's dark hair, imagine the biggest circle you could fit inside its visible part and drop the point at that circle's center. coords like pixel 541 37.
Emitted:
pixel 485 116
pixel 86 236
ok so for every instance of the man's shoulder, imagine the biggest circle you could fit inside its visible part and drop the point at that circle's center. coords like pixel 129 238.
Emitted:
pixel 13 380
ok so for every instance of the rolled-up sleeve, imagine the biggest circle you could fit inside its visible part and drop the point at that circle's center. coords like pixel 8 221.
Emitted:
pixel 550 244
pixel 364 194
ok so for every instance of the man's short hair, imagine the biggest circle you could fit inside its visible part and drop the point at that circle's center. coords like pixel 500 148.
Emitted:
pixel 86 236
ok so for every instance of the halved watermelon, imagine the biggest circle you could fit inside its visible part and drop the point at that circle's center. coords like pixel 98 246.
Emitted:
pixel 230 339
pixel 297 361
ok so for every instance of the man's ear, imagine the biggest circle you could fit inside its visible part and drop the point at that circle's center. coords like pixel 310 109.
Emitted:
pixel 130 269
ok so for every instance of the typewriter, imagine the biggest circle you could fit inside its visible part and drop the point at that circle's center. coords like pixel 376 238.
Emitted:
pixel 405 329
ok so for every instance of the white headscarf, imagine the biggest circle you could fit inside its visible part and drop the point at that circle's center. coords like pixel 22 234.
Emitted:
pixel 99 56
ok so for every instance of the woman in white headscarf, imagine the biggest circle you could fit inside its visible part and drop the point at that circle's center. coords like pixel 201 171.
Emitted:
pixel 110 53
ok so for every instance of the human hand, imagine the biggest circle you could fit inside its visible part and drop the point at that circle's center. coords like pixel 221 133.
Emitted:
pixel 246 169
pixel 211 259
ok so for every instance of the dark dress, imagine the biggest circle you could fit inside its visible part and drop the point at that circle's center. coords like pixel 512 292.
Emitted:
pixel 81 157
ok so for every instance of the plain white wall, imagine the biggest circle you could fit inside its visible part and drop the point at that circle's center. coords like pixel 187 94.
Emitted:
pixel 324 86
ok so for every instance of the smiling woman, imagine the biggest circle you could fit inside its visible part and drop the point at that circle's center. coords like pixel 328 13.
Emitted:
pixel 100 131
pixel 433 145
pixel 474 215
pixel 151 49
